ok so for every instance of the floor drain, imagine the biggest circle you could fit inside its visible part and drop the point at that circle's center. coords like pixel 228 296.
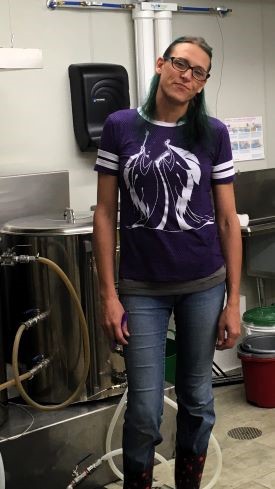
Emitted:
pixel 244 433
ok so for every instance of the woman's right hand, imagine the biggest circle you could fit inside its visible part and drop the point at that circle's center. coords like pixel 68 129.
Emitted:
pixel 114 320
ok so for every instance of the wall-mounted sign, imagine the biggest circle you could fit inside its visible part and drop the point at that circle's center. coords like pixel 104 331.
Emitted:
pixel 246 136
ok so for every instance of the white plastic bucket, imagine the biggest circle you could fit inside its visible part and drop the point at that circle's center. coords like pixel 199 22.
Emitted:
pixel 251 328
pixel 260 320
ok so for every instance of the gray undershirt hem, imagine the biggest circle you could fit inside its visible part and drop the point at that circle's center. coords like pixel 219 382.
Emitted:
pixel 134 287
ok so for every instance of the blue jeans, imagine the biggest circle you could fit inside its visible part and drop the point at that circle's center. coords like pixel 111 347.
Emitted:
pixel 196 316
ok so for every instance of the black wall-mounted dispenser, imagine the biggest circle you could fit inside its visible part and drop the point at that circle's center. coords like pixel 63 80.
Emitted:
pixel 97 90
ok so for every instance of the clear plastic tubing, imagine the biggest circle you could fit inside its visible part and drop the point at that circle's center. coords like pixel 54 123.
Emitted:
pixel 111 453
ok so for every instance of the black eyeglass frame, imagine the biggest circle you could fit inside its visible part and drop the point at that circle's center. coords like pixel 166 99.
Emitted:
pixel 189 67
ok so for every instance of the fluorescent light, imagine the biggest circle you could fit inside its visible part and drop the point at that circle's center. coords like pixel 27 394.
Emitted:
pixel 17 58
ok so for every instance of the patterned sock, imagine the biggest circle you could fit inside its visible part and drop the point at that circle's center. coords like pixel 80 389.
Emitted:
pixel 188 470
pixel 138 480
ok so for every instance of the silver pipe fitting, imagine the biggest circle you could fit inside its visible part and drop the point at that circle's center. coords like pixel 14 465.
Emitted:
pixel 37 368
pixel 80 477
pixel 69 215
pixel 35 320
pixel 10 258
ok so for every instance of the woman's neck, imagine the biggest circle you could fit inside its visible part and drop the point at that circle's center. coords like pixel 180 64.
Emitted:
pixel 167 112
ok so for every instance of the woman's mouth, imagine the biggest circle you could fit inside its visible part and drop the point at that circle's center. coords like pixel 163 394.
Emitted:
pixel 181 86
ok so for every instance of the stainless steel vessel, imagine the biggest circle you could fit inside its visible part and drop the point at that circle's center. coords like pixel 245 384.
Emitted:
pixel 3 394
pixel 30 287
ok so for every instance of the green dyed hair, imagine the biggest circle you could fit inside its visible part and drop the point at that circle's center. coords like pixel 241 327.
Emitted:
pixel 196 117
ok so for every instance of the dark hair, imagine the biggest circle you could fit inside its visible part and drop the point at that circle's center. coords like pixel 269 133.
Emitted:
pixel 196 117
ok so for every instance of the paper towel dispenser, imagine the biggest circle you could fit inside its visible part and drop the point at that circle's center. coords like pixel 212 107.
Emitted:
pixel 97 90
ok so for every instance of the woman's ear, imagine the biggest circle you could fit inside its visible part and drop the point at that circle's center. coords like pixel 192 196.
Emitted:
pixel 159 65
pixel 201 87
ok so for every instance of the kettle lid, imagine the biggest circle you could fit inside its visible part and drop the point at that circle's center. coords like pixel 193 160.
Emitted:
pixel 70 223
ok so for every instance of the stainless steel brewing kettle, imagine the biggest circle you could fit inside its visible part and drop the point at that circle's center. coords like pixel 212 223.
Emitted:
pixel 66 240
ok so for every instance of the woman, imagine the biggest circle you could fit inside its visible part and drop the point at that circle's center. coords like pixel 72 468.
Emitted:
pixel 180 244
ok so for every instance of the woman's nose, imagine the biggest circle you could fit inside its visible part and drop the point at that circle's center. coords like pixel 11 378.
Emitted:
pixel 188 74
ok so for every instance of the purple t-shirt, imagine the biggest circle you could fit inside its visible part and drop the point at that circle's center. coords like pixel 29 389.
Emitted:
pixel 167 225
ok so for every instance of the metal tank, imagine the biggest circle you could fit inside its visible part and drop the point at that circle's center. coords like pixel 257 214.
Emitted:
pixel 32 288
pixel 3 376
pixel 3 394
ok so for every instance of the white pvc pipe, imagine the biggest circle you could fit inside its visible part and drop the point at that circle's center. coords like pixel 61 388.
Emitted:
pixel 145 51
pixel 163 31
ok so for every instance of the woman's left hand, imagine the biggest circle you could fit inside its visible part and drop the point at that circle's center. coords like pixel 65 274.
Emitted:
pixel 229 327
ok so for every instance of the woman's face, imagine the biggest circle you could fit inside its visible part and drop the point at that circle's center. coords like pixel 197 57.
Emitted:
pixel 177 86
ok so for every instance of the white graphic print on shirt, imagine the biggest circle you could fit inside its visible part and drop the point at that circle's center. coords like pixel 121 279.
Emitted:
pixel 168 204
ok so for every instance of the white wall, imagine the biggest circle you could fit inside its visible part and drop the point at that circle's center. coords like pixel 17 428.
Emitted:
pixel 268 17
pixel 36 124
pixel 237 86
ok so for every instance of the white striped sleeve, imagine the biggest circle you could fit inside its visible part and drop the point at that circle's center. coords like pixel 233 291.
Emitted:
pixel 107 161
pixel 223 170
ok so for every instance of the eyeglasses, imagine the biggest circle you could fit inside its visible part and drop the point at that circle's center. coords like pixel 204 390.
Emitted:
pixel 181 64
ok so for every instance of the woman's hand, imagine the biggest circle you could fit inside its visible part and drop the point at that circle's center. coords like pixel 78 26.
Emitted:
pixel 114 320
pixel 229 327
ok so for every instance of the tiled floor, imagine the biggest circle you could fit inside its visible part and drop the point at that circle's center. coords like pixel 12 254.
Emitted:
pixel 247 464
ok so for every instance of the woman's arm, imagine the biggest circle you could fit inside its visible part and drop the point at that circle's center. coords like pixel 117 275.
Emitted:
pixel 231 242
pixel 104 239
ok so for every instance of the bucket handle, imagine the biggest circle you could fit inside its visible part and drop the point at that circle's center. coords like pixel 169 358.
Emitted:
pixel 251 350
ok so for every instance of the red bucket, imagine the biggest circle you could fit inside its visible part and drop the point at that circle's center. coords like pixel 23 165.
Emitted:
pixel 257 354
